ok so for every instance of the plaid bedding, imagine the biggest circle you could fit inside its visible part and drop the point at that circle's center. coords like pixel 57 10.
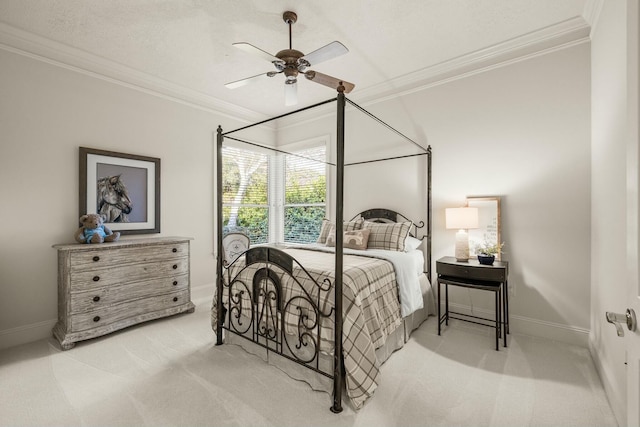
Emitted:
pixel 371 311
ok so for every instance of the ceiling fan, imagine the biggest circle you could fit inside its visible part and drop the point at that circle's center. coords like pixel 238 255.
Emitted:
pixel 291 62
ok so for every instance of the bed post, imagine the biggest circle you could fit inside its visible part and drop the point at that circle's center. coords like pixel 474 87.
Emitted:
pixel 219 307
pixel 337 354
pixel 429 214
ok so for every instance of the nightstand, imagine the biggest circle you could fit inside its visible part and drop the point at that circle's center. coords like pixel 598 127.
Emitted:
pixel 474 275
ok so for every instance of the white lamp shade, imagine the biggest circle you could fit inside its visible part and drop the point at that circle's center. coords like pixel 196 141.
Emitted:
pixel 461 218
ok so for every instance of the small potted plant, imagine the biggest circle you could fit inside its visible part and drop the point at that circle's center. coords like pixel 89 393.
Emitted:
pixel 487 251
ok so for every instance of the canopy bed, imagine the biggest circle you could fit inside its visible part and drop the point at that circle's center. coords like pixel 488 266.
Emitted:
pixel 329 313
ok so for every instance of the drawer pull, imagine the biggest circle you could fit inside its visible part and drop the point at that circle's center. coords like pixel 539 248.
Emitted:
pixel 96 319
pixel 174 250
pixel 175 299
pixel 175 283
pixel 96 298
pixel 175 266
pixel 96 278
pixel 96 258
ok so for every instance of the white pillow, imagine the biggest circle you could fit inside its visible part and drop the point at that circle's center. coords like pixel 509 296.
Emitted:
pixel 411 244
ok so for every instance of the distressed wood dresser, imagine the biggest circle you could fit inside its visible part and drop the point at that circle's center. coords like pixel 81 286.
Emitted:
pixel 109 286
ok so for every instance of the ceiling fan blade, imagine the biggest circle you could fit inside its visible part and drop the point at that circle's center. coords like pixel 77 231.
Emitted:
pixel 325 53
pixel 329 81
pixel 290 92
pixel 246 81
pixel 252 50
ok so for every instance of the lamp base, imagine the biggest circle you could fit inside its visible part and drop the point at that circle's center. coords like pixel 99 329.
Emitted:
pixel 462 246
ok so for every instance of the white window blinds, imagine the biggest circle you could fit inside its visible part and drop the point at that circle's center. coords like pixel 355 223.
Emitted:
pixel 245 198
pixel 305 194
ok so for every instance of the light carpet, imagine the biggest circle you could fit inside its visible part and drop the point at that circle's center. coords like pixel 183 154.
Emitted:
pixel 169 373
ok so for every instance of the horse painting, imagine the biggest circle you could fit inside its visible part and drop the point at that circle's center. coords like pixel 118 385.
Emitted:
pixel 113 199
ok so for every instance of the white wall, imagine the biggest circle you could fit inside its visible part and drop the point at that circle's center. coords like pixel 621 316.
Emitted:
pixel 609 210
pixel 521 132
pixel 46 113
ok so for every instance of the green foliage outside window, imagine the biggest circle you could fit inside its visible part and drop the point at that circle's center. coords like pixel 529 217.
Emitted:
pixel 302 223
pixel 253 221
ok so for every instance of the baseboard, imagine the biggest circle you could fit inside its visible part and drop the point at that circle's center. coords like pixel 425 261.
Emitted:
pixel 517 324
pixel 534 327
pixel 26 333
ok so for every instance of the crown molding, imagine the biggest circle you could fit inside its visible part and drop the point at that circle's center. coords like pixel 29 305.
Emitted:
pixel 591 13
pixel 36 47
pixel 558 36
pixel 553 37
pixel 546 40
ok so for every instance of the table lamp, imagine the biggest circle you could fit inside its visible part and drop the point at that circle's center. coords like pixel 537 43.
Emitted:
pixel 461 219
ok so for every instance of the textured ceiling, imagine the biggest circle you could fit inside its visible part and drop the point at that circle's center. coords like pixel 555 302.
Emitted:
pixel 188 43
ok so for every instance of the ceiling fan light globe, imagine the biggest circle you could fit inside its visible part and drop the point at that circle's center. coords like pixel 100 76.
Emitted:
pixel 290 93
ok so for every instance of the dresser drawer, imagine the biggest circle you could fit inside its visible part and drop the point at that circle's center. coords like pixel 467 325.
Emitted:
pixel 108 315
pixel 115 257
pixel 109 295
pixel 100 277
pixel 471 272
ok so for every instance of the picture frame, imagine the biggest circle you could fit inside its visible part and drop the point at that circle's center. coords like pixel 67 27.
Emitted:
pixel 123 187
pixel 488 222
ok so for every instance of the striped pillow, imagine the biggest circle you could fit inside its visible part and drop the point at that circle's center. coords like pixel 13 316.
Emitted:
pixel 327 225
pixel 388 236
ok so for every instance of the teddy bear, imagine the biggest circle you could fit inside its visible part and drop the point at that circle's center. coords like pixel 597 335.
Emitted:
pixel 93 230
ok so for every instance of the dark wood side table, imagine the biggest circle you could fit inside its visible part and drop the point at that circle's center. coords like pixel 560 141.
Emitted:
pixel 474 275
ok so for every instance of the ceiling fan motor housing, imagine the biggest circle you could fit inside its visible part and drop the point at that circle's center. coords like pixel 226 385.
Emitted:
pixel 291 63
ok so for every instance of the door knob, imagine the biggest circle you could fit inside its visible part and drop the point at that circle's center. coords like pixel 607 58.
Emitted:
pixel 629 318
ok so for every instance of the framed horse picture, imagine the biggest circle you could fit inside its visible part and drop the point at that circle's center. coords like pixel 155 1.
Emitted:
pixel 123 188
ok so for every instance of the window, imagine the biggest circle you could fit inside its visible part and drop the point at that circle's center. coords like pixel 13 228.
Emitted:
pixel 245 199
pixel 274 197
pixel 305 193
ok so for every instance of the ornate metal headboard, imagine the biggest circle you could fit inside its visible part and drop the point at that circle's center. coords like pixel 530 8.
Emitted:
pixel 387 215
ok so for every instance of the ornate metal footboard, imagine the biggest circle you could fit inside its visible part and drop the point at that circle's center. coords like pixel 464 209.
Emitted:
pixel 273 301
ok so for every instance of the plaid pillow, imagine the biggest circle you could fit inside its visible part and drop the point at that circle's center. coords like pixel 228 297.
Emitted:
pixel 389 236
pixel 327 225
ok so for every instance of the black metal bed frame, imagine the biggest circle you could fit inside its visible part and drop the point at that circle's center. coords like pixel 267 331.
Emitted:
pixel 265 325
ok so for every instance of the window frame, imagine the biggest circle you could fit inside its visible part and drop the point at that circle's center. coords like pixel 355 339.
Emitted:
pixel 276 181
pixel 279 192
